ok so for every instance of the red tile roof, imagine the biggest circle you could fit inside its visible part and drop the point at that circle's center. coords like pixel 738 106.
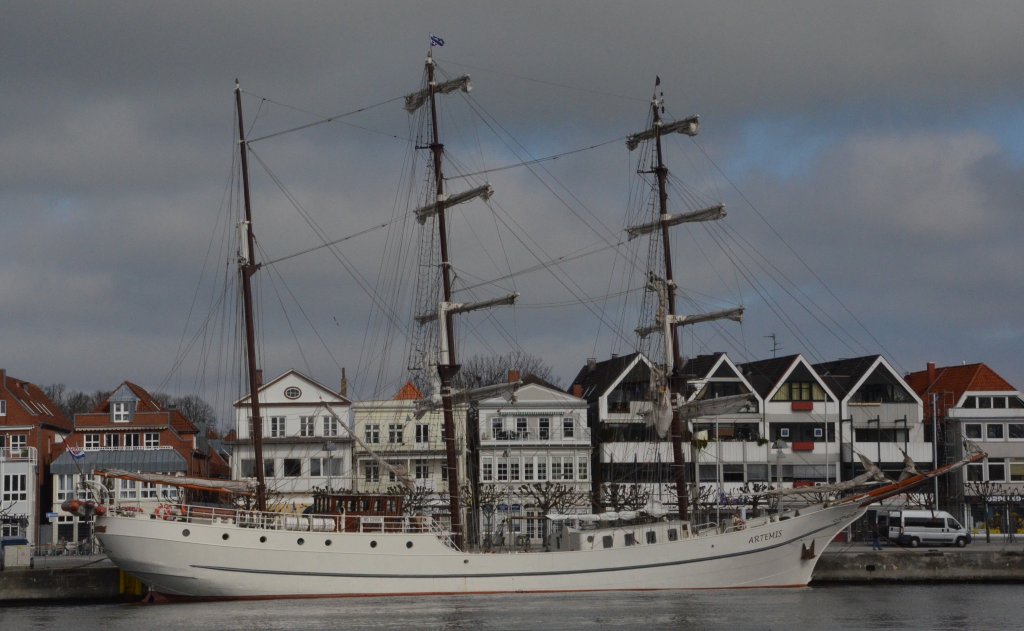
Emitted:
pixel 951 382
pixel 27 403
pixel 409 392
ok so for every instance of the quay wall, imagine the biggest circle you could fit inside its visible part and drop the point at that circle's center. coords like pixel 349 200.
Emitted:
pixel 923 566
pixel 60 584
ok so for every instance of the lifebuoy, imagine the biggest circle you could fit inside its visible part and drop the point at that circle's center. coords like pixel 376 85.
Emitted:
pixel 163 511
pixel 740 524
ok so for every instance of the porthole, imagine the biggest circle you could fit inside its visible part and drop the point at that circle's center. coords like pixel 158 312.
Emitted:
pixel 224 536
pixel 373 544
pixel 301 541
pixel 408 544
pixel 327 543
pixel 263 539
pixel 292 392
pixel 185 533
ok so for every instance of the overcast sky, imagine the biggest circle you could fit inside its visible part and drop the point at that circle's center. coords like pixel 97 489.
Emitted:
pixel 871 152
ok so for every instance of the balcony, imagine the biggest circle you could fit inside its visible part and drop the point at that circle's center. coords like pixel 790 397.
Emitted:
pixel 19 454
pixel 890 452
pixel 581 435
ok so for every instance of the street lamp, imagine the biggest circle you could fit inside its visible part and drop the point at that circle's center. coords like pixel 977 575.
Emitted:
pixel 778 446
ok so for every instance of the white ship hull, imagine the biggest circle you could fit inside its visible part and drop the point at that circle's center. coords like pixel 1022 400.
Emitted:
pixel 223 560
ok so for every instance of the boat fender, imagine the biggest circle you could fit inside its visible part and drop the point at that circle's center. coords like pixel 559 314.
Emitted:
pixel 740 524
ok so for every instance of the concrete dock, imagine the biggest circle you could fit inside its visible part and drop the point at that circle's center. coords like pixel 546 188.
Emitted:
pixel 977 562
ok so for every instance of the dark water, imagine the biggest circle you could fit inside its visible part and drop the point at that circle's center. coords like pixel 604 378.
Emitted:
pixel 881 608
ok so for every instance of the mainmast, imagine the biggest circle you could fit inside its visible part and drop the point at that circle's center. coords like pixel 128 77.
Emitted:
pixel 247 268
pixel 447 365
pixel 672 391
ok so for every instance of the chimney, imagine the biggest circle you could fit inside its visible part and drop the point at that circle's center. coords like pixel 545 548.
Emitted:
pixel 343 390
pixel 577 391
pixel 513 376
pixel 591 363
pixel 931 373
pixel 259 377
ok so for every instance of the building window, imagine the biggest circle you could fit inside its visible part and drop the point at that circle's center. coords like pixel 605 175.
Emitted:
pixel 975 472
pixel 292 467
pixel 128 490
pixel 248 468
pixel 1016 431
pixel 800 391
pixel 268 468
pixel 18 442
pixel 331 426
pixel 556 468
pixel 3 407
pixel 395 434
pixel 996 470
pixel 422 434
pixel 542 469
pixel 502 470
pixel 319 467
pixel 422 469
pixel 513 470
pixel 148 491
pixel 65 486
pixel 1016 470
pixel 528 470
pixel 372 472
pixel 131 440
pixel 92 442
pixel 544 428
pixel 783 432
pixel 120 412
pixel 15 487
pixel 292 392
pixel 152 440
pixel 371 433
pixel 994 431
pixel 113 440
pixel 567 427
pixel 486 470
pixel 307 426
pixel 276 426
pixel 582 467
pixel 973 430
pixel 496 428
pixel 522 429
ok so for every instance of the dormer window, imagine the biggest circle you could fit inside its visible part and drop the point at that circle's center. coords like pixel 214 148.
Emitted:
pixel 292 393
pixel 120 411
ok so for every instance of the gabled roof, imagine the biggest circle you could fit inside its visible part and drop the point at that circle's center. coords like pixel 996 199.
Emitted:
pixel 767 375
pixel 146 407
pixel 952 382
pixel 34 405
pixel 298 375
pixel 843 374
pixel 598 378
pixel 700 367
pixel 409 392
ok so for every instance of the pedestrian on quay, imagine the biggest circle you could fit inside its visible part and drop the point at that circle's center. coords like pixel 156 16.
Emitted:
pixel 876 542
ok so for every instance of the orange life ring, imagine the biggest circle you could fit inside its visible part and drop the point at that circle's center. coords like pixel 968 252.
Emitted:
pixel 740 524
pixel 163 511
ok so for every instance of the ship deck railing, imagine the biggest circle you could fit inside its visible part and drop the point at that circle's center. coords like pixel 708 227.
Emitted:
pixel 270 520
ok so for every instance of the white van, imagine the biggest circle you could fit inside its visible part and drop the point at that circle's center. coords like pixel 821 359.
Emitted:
pixel 914 527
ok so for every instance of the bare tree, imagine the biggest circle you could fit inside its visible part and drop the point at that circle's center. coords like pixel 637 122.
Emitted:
pixel 415 499
pixel 622 497
pixel 482 370
pixel 985 491
pixel 486 501
pixel 552 497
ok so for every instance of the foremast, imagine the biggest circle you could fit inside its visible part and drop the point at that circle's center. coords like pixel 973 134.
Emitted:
pixel 247 267
pixel 447 365
pixel 671 382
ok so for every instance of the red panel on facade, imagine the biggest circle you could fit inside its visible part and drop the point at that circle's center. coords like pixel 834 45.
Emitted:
pixel 804 446
pixel 802 406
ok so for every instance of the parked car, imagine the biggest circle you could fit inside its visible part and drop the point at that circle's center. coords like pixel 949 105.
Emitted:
pixel 914 527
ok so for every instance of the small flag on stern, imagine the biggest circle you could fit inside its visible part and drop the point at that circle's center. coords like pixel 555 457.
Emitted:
pixel 435 41
pixel 76 452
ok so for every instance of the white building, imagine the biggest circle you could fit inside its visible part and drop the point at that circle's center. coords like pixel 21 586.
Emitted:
pixel 541 440
pixel 307 440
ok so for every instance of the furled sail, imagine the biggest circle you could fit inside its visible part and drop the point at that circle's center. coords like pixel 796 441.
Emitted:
pixel 416 100
pixel 230 487
pixel 686 126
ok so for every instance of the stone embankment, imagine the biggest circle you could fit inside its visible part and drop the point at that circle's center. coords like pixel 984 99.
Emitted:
pixel 978 562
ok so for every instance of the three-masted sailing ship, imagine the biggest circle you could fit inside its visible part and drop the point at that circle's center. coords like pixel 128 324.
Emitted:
pixel 245 553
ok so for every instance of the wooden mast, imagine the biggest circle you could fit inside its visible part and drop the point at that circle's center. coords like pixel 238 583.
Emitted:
pixel 676 380
pixel 445 371
pixel 247 268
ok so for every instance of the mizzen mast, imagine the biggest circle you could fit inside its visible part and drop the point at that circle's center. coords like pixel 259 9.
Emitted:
pixel 247 268
pixel 672 383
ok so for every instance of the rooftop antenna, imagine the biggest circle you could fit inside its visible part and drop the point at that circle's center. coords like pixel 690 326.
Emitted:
pixel 775 343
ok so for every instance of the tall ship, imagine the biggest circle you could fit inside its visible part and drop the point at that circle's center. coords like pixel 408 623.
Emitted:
pixel 349 544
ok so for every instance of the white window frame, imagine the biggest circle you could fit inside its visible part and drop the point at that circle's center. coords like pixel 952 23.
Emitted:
pixel 15 487
pixel 132 440
pixel 568 427
pixel 3 407
pixel 277 426
pixel 422 433
pixel 120 412
pixel 92 442
pixel 307 426
pixel 151 440
pixel 396 434
pixel 371 433
pixel 331 426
